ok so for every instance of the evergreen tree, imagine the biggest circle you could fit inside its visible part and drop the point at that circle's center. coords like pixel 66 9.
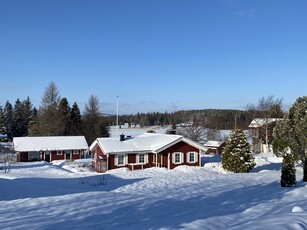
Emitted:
pixel 19 127
pixel 281 145
pixel 63 117
pixel 288 177
pixel 292 133
pixel 75 121
pixel 28 113
pixel 2 127
pixel 104 130
pixel 237 156
pixel 8 119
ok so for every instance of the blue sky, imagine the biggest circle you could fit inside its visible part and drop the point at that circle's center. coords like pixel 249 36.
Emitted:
pixel 156 55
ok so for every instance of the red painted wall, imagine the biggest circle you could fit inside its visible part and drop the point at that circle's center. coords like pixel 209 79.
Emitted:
pixel 179 147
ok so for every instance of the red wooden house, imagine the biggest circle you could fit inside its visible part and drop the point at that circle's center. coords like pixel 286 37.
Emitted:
pixel 145 151
pixel 49 148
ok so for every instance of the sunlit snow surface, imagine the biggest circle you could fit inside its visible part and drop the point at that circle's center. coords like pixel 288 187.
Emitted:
pixel 63 195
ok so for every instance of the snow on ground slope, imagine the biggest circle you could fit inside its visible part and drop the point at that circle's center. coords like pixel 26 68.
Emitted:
pixel 66 196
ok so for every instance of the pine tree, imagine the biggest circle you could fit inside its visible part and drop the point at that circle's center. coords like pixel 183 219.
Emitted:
pixel 288 177
pixel 237 156
pixel 290 133
pixel 28 113
pixel 63 117
pixel 18 123
pixel 3 131
pixel 8 119
pixel 75 127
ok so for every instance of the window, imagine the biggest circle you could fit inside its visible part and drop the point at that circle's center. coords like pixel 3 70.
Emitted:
pixel 120 159
pixel 76 151
pixel 33 156
pixel 59 153
pixel 192 157
pixel 141 158
pixel 177 158
pixel 47 152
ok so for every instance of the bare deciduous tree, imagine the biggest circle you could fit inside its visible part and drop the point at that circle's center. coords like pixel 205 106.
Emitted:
pixel 8 159
pixel 194 132
pixel 51 95
pixel 266 109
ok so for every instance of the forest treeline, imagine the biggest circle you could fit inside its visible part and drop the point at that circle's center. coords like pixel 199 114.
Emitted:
pixel 57 117
pixel 209 118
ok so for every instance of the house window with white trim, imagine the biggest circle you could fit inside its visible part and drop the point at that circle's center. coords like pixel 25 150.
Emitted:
pixel 142 158
pixel 76 151
pixel 191 157
pixel 120 160
pixel 58 152
pixel 177 158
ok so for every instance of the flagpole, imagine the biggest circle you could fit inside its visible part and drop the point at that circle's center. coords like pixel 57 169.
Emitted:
pixel 116 115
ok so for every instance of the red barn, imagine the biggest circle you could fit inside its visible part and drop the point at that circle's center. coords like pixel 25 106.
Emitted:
pixel 145 151
pixel 49 148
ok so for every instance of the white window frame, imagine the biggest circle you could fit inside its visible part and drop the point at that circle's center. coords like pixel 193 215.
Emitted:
pixel 189 157
pixel 124 160
pixel 180 158
pixel 75 151
pixel 145 158
pixel 59 152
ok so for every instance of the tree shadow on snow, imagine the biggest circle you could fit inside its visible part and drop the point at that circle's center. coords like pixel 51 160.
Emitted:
pixel 173 213
pixel 271 167
pixel 12 189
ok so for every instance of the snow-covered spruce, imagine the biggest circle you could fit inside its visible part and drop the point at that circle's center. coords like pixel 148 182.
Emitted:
pixel 237 156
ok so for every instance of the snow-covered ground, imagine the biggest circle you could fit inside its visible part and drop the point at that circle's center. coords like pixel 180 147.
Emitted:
pixel 61 195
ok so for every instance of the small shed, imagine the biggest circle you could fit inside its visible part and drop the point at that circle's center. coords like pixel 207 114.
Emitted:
pixel 215 147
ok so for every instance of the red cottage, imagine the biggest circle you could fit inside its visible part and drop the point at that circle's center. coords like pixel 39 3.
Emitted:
pixel 49 148
pixel 145 151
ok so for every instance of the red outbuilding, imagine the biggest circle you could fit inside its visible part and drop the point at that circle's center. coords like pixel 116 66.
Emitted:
pixel 50 148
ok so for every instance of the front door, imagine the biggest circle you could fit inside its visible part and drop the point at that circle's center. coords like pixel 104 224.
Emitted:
pixel 47 157
pixel 67 155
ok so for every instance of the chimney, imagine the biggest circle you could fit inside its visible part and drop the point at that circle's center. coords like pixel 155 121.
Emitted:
pixel 122 137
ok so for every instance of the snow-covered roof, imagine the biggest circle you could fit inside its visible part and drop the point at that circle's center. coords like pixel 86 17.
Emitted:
pixel 152 142
pixel 25 144
pixel 259 122
pixel 213 144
